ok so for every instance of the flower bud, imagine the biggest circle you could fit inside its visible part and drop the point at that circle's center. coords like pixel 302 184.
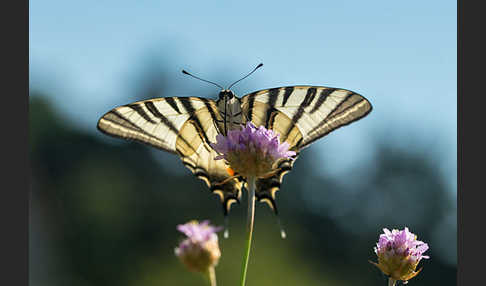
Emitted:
pixel 200 250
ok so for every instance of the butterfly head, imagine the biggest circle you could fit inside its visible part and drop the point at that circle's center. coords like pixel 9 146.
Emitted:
pixel 226 93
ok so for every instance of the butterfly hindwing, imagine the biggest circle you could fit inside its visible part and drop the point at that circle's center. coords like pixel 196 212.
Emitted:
pixel 200 130
pixel 301 115
pixel 181 125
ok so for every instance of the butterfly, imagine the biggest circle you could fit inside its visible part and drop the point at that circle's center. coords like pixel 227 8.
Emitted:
pixel 187 125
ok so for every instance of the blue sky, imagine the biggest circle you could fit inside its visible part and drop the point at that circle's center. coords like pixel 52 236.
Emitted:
pixel 400 55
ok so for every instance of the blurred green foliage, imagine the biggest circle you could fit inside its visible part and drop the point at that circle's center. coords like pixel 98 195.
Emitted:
pixel 104 211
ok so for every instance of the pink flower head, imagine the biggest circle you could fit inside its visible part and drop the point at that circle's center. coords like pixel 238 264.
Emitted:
pixel 198 231
pixel 251 151
pixel 200 250
pixel 399 253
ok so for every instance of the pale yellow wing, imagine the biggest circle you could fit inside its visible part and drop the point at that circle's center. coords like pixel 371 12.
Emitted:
pixel 301 115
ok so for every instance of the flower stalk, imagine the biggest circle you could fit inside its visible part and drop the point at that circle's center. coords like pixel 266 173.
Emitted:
pixel 392 282
pixel 252 153
pixel 212 276
pixel 250 222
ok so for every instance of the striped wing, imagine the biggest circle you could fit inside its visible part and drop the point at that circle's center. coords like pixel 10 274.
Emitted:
pixel 180 125
pixel 301 115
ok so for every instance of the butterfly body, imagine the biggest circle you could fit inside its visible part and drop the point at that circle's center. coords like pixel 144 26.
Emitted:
pixel 229 107
pixel 187 125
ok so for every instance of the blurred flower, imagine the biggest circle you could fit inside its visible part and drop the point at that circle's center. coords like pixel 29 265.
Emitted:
pixel 251 151
pixel 399 253
pixel 200 250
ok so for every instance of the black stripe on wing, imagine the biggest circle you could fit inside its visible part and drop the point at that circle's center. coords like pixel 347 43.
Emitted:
pixel 171 101
pixel 197 122
pixel 127 124
pixel 287 93
pixel 322 97
pixel 251 103
pixel 214 116
pixel 272 100
pixel 138 108
pixel 152 109
pixel 309 97
pixel 348 118
pixel 156 113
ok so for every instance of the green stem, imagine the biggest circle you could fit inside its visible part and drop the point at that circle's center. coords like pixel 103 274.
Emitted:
pixel 251 219
pixel 212 276
pixel 391 282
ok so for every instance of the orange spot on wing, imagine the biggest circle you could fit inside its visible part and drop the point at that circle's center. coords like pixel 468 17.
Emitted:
pixel 230 171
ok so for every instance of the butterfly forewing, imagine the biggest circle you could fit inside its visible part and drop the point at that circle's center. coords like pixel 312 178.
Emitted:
pixel 156 122
pixel 309 110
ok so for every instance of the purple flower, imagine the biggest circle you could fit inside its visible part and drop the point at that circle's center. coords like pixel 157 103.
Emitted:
pixel 200 250
pixel 251 151
pixel 399 253
pixel 198 231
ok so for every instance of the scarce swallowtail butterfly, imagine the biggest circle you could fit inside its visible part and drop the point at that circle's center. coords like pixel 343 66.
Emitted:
pixel 187 125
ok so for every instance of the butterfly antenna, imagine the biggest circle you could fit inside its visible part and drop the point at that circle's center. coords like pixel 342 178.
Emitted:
pixel 257 67
pixel 185 72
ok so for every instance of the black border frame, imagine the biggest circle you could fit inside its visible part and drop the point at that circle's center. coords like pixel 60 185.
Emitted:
pixel 14 211
pixel 470 258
